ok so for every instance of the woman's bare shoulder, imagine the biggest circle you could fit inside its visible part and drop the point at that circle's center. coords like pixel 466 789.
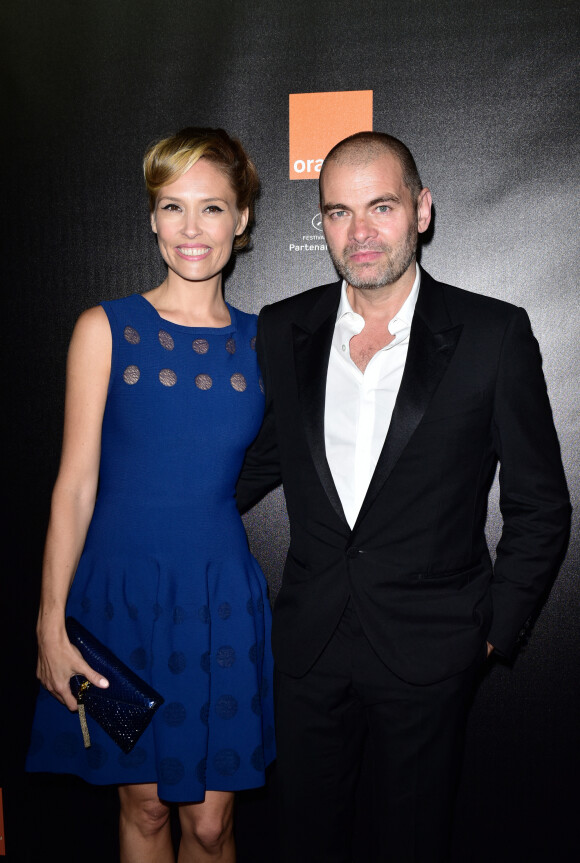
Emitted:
pixel 92 334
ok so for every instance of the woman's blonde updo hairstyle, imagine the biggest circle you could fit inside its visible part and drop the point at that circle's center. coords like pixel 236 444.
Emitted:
pixel 170 158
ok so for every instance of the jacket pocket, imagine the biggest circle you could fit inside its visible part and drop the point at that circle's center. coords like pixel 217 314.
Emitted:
pixel 442 409
pixel 462 576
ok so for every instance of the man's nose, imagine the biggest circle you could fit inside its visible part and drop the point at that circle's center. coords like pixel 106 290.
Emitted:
pixel 362 229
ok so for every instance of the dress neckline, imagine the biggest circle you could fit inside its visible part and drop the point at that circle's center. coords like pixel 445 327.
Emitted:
pixel 231 327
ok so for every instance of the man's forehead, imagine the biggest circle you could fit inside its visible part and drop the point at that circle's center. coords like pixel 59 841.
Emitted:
pixel 368 170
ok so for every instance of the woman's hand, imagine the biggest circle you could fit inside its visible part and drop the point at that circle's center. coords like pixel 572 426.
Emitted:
pixel 58 661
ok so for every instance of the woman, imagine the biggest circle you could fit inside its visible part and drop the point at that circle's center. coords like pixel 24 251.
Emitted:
pixel 163 397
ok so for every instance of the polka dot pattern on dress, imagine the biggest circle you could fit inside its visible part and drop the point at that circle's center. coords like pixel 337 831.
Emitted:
pixel 138 659
pixel 238 382
pixel 198 638
pixel 201 346
pixel 256 653
pixel 203 382
pixel 96 756
pixel 131 375
pixel 225 656
pixel 226 707
pixel 226 762
pixel 257 759
pixel 166 340
pixel 251 607
pixel 179 614
pixel 131 335
pixel 224 611
pixel 177 662
pixel 167 377
pixel 171 771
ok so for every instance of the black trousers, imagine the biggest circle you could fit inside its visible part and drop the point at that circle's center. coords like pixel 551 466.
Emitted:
pixel 416 734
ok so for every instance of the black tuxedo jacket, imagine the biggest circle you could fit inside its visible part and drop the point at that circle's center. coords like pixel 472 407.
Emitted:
pixel 416 563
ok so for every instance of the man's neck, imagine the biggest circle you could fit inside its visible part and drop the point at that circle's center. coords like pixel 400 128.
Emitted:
pixel 381 303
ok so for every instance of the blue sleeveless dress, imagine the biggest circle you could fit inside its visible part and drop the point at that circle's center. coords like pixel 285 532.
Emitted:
pixel 166 578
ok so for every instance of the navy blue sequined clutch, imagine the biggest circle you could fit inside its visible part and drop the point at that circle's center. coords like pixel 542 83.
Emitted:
pixel 126 707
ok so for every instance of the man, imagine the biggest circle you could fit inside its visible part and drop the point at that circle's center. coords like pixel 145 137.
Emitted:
pixel 390 398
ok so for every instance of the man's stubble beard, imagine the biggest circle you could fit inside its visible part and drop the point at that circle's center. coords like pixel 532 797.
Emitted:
pixel 398 260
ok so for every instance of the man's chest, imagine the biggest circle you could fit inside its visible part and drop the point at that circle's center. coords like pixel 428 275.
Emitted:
pixel 368 343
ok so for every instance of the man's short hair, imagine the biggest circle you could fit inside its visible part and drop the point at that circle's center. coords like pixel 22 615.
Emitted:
pixel 366 146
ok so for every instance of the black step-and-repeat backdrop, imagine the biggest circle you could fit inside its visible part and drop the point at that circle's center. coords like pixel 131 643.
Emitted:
pixel 484 94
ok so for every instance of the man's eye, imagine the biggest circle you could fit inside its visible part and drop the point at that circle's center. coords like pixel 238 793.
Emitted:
pixel 338 214
pixel 383 208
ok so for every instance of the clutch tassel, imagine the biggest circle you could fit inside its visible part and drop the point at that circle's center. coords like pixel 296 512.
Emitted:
pixel 82 715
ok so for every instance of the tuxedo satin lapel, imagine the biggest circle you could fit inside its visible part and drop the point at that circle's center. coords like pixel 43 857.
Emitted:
pixel 428 357
pixel 311 353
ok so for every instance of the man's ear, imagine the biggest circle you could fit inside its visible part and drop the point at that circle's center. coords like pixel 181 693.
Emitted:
pixel 424 202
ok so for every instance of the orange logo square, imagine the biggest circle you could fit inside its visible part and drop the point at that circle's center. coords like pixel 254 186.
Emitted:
pixel 318 121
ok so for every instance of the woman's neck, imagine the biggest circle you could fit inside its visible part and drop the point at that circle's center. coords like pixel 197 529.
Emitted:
pixel 192 304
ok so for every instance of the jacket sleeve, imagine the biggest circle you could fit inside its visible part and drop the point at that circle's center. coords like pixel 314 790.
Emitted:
pixel 261 469
pixel 534 499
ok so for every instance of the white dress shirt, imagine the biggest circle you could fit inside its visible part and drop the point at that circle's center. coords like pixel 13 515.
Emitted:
pixel 359 405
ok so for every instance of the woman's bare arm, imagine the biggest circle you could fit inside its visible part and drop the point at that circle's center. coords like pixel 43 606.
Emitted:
pixel 73 500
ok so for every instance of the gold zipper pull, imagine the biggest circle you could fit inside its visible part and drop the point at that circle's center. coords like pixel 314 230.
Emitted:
pixel 82 714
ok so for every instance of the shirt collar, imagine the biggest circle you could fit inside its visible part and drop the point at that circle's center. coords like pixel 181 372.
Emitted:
pixel 405 314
